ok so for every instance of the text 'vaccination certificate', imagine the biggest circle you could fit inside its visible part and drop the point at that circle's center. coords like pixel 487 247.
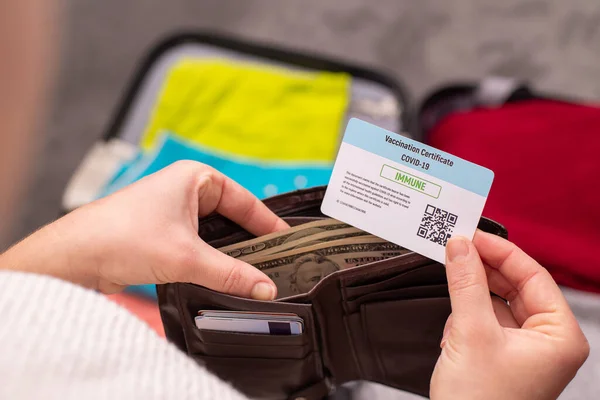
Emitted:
pixel 404 191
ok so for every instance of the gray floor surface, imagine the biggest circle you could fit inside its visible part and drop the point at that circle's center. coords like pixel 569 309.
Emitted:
pixel 554 44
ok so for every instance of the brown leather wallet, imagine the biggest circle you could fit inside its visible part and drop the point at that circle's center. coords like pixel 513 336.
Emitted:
pixel 380 322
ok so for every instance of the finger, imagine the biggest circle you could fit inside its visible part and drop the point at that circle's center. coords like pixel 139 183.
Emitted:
pixel 218 193
pixel 497 283
pixel 467 284
pixel 500 286
pixel 504 314
pixel 225 274
pixel 532 291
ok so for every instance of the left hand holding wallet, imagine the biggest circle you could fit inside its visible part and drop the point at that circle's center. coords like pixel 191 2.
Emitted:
pixel 148 233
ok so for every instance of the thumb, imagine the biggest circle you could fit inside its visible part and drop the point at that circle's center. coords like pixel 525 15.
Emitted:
pixel 467 283
pixel 226 274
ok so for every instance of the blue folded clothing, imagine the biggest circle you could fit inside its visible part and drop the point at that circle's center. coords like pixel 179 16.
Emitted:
pixel 263 179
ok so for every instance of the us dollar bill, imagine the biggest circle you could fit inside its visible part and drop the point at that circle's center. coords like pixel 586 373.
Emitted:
pixel 299 270
pixel 249 247
pixel 310 240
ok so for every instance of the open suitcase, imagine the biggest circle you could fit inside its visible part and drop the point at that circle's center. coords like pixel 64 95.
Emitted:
pixel 374 97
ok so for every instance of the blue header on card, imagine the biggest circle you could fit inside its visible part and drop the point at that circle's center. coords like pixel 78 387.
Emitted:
pixel 419 156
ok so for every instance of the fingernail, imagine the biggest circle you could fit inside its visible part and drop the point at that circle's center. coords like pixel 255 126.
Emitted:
pixel 446 331
pixel 457 249
pixel 445 335
pixel 281 225
pixel 262 291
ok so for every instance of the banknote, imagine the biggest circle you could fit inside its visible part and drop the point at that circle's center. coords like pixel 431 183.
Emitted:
pixel 299 270
pixel 310 240
pixel 269 241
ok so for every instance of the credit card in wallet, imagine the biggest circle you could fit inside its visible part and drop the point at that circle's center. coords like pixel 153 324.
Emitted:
pixel 250 322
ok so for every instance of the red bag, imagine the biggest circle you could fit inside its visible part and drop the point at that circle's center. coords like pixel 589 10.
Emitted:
pixel 546 157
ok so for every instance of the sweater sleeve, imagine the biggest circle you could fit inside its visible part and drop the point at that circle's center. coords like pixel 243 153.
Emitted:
pixel 59 340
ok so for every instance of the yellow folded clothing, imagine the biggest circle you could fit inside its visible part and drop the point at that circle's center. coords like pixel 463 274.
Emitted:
pixel 267 113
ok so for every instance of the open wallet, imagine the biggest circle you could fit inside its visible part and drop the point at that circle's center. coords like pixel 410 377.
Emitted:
pixel 381 322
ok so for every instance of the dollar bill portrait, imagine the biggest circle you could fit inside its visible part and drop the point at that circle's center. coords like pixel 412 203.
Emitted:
pixel 308 271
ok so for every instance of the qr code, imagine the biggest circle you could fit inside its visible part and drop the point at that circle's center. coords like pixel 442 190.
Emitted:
pixel 437 225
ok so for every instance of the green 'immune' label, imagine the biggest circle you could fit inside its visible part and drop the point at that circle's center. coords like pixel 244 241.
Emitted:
pixel 411 181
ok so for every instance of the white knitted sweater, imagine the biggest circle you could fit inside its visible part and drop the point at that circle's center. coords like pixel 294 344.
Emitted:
pixel 58 340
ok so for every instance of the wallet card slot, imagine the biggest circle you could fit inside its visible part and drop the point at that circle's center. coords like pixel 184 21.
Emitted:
pixel 242 349
pixel 194 298
pixel 431 274
pixel 263 377
pixel 254 339
pixel 273 364
pixel 236 344
pixel 201 342
pixel 365 366
pixel 406 293
pixel 244 345
pixel 250 351
pixel 404 338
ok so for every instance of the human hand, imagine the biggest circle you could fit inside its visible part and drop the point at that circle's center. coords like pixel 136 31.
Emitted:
pixel 148 233
pixel 530 349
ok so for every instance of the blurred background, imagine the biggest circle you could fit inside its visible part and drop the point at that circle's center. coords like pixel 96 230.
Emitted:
pixel 553 44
